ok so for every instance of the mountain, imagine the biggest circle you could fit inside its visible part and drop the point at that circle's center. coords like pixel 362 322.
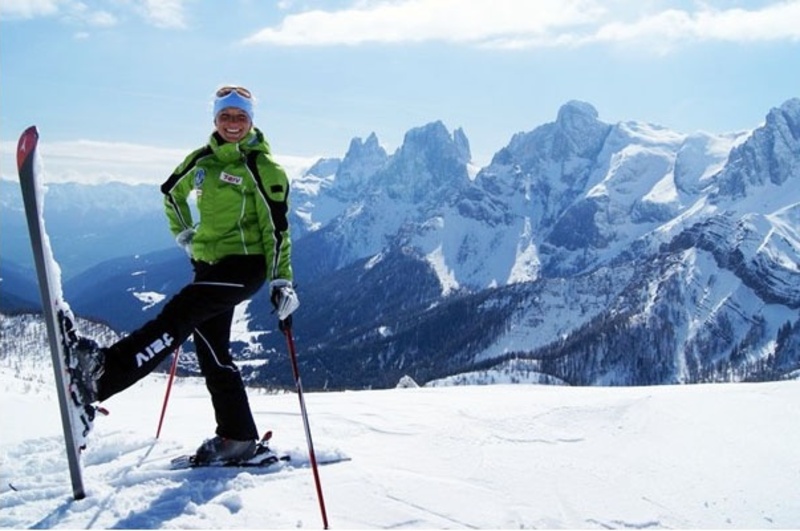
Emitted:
pixel 86 223
pixel 585 253
pixel 18 292
pixel 579 243
pixel 127 292
pixel 380 197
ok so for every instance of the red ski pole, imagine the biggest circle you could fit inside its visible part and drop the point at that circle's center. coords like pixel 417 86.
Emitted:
pixel 172 370
pixel 287 330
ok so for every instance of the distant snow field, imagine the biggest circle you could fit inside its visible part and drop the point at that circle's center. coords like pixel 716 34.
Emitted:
pixel 502 456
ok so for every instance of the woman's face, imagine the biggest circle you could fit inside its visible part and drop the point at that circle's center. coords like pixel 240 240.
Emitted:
pixel 232 124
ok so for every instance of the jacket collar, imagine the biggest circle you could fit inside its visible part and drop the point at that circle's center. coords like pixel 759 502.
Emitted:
pixel 230 152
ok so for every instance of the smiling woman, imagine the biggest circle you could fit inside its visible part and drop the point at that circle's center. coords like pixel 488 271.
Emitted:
pixel 237 239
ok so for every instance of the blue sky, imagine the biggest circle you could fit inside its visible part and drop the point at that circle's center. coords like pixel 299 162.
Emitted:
pixel 122 89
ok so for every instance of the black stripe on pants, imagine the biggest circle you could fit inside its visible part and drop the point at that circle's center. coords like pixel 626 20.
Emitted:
pixel 205 308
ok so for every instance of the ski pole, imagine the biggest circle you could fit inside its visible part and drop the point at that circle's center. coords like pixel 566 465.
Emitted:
pixel 287 330
pixel 172 370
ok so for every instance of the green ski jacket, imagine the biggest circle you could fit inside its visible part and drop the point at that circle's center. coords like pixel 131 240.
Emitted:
pixel 242 199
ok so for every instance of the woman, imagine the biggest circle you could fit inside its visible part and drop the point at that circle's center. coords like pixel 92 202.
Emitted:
pixel 240 240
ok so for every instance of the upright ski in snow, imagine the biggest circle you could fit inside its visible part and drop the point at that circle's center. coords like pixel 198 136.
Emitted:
pixel 76 419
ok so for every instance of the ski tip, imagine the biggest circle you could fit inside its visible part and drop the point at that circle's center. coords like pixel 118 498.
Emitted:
pixel 27 143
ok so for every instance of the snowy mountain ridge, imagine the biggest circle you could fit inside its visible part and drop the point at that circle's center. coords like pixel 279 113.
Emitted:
pixel 578 244
pixel 626 225
pixel 527 191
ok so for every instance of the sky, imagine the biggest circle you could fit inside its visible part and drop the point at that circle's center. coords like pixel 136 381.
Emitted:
pixel 122 89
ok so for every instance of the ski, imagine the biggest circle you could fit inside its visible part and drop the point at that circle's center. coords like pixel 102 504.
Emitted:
pixel 275 461
pixel 264 456
pixel 264 460
pixel 76 418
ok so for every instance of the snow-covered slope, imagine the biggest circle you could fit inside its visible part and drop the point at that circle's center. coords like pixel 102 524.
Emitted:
pixel 505 456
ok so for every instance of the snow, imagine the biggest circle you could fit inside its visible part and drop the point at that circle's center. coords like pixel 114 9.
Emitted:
pixel 445 275
pixel 149 298
pixel 526 263
pixel 52 269
pixel 564 303
pixel 501 456
pixel 240 328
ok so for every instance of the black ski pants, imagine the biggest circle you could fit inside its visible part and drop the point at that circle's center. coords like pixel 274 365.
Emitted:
pixel 203 308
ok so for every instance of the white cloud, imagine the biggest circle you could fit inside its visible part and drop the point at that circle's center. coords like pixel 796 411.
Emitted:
pixel 528 24
pixel 164 13
pixel 159 13
pixel 80 13
pixel 28 8
pixel 101 19
pixel 422 20
pixel 776 22
pixel 779 21
pixel 95 162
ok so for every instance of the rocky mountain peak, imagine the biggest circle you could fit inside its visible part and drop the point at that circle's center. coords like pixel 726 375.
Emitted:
pixel 433 141
pixel 771 154
pixel 462 144
pixel 363 160
pixel 578 131
pixel 575 113
pixel 430 162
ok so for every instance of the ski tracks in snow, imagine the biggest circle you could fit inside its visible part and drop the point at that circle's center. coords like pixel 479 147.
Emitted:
pixel 130 484
pixel 493 457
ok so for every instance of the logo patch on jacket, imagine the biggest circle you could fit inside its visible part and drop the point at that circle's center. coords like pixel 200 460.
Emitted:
pixel 230 179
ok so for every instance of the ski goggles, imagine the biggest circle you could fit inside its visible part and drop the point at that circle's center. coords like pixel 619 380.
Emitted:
pixel 227 89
